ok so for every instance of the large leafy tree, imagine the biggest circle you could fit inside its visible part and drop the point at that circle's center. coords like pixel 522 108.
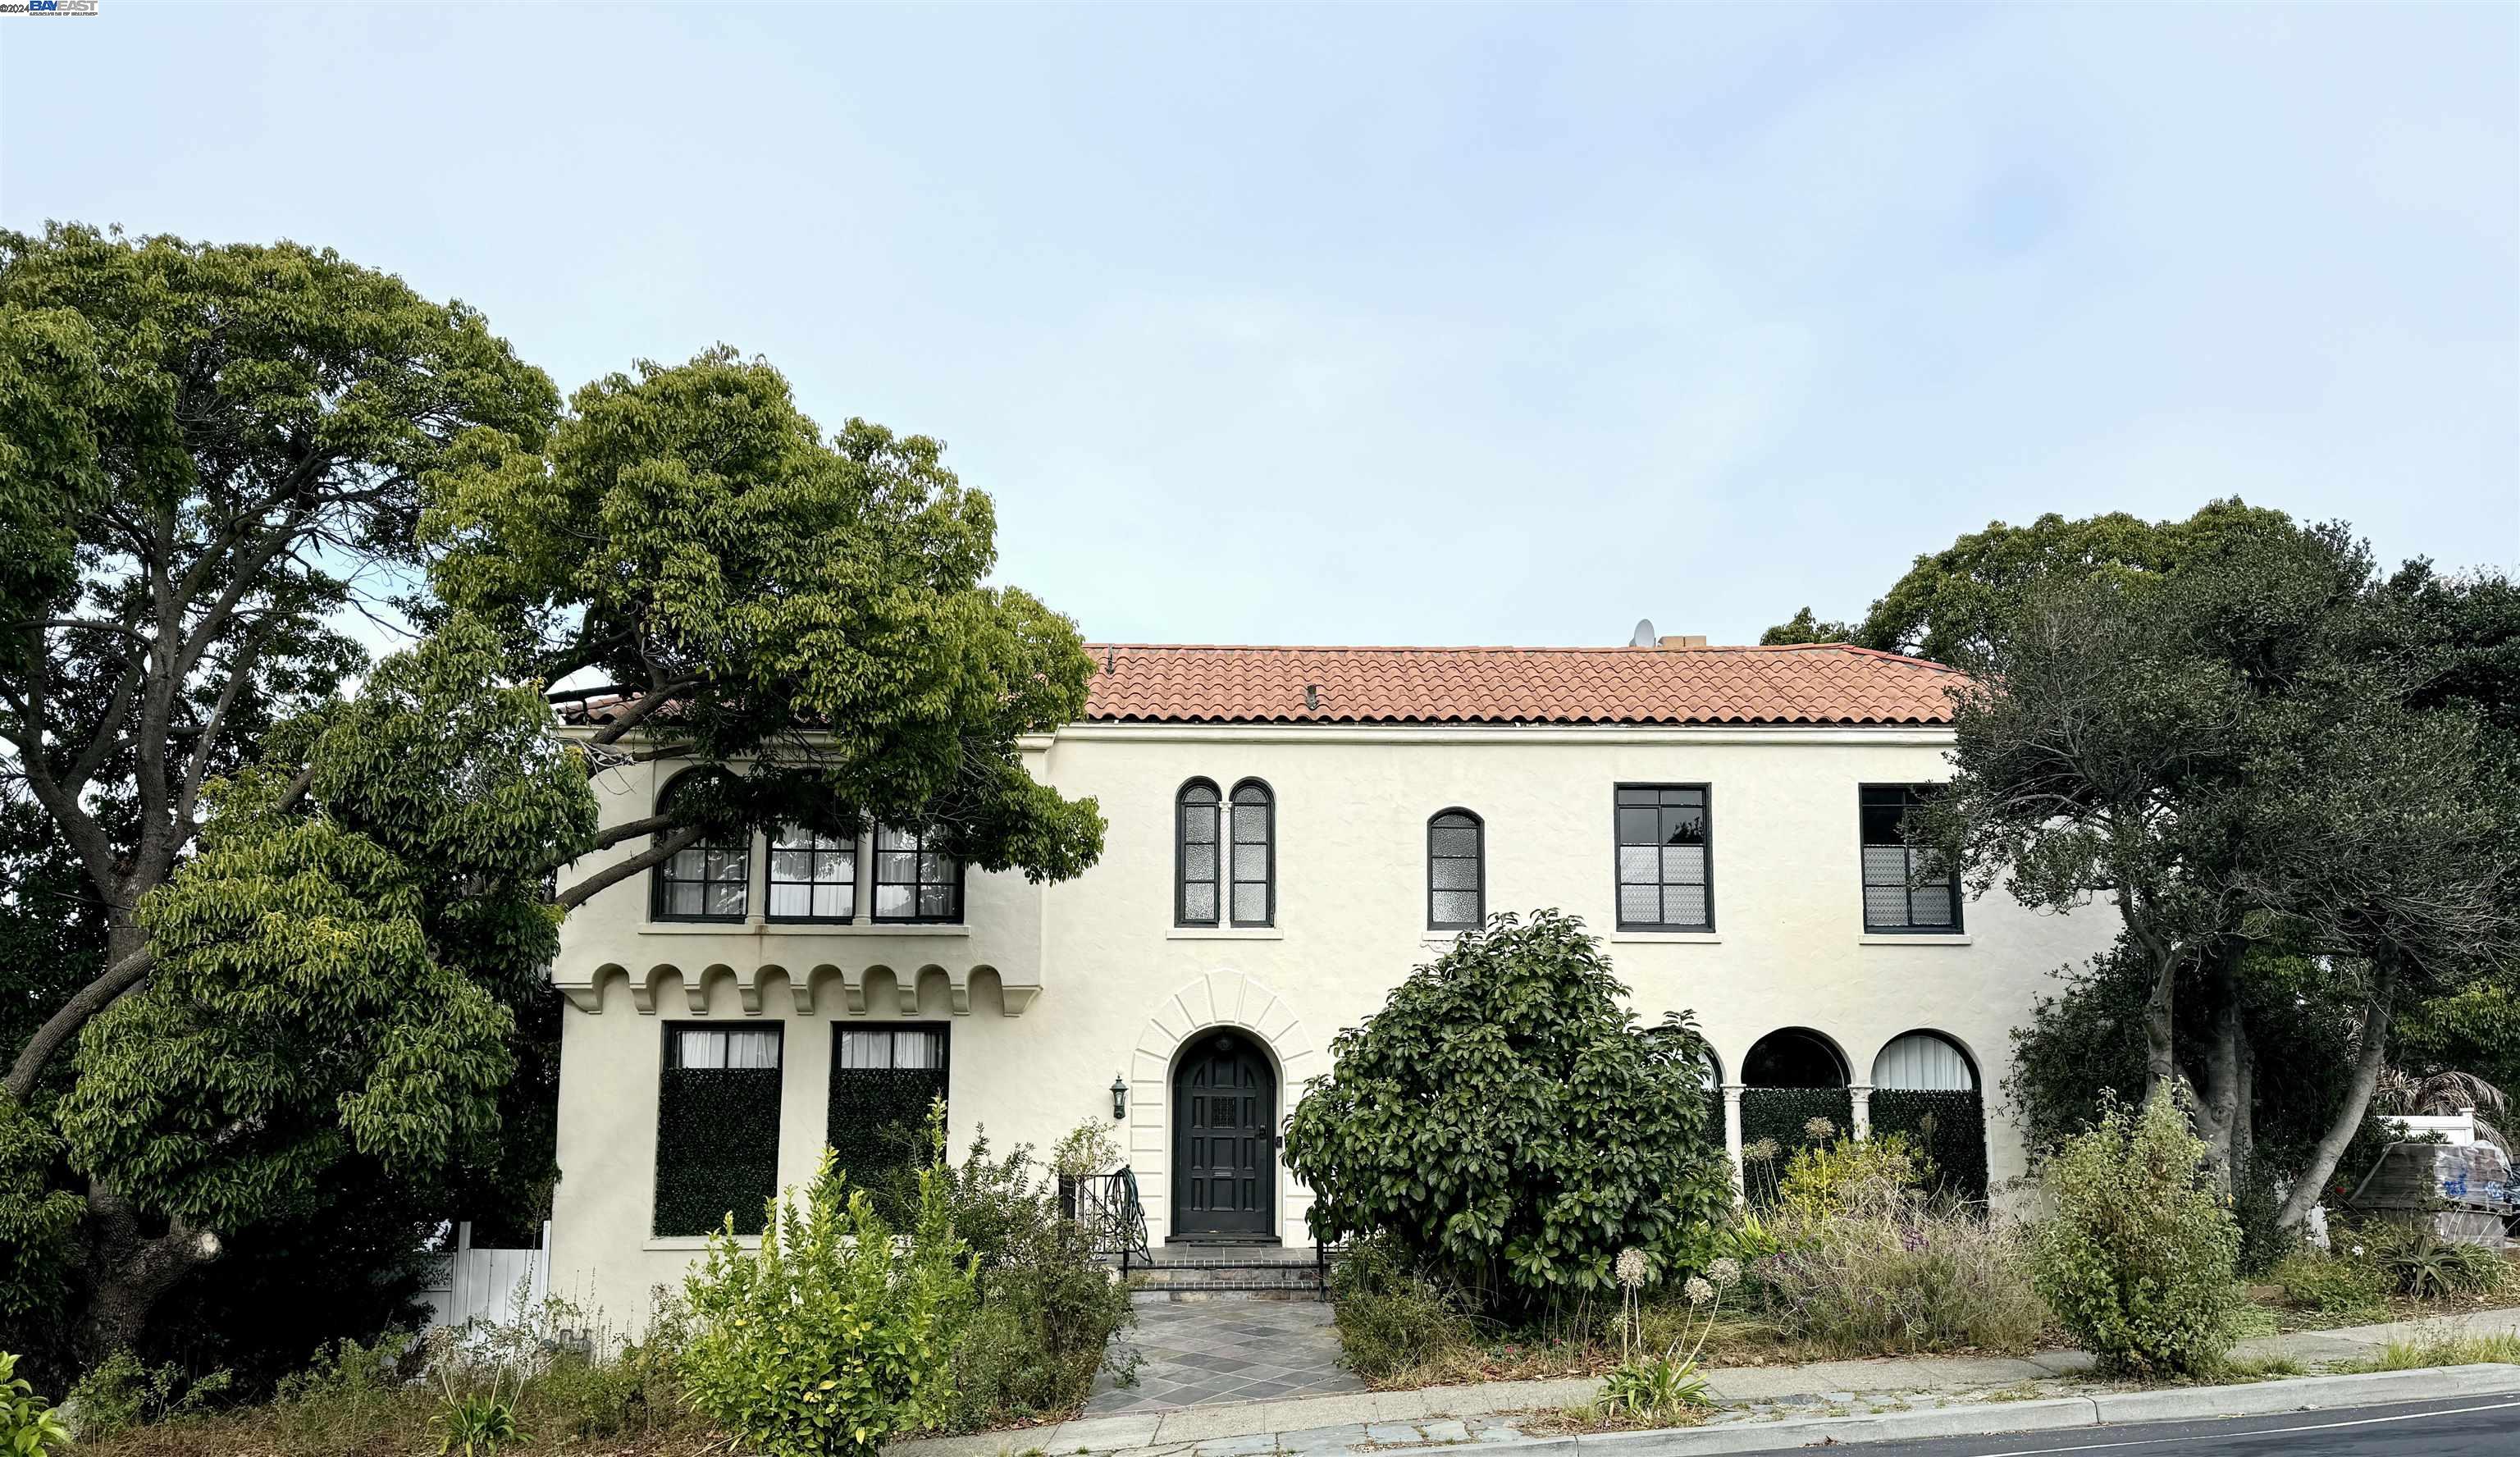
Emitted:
pixel 750 591
pixel 211 452
pixel 324 917
pixel 1950 603
pixel 2248 752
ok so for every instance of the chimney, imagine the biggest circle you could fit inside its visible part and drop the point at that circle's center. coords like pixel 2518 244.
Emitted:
pixel 1692 640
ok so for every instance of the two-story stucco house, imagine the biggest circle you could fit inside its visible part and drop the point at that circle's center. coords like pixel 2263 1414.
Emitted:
pixel 1291 830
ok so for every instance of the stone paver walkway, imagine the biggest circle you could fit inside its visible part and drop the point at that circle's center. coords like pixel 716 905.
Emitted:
pixel 1199 1352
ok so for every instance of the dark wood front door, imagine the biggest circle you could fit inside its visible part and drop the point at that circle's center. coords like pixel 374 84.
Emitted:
pixel 1225 1145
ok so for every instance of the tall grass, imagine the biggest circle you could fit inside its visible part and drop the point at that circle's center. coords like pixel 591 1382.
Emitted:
pixel 1867 1263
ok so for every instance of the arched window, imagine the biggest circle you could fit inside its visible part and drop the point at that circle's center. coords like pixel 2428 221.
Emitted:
pixel 1924 1062
pixel 1456 879
pixel 710 880
pixel 1195 855
pixel 1254 866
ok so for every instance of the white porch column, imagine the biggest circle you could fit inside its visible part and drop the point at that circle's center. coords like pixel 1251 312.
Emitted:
pixel 1863 1095
pixel 1733 1132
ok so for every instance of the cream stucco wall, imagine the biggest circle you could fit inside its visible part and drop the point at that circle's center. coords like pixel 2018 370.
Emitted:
pixel 1051 992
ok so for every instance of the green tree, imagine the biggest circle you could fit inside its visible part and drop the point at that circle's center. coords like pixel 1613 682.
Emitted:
pixel 2236 753
pixel 816 610
pixel 1803 627
pixel 271 436
pixel 1505 1119
pixel 1950 603
pixel 210 451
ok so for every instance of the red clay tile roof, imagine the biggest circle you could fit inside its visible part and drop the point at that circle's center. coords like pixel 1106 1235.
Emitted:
pixel 1813 684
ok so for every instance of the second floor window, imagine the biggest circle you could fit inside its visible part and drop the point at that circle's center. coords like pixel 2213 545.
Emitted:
pixel 1905 886
pixel 1255 854
pixel 1198 834
pixel 705 881
pixel 812 877
pixel 914 879
pixel 1663 879
pixel 1456 871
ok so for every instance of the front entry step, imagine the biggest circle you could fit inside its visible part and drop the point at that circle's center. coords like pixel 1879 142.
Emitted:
pixel 1196 1272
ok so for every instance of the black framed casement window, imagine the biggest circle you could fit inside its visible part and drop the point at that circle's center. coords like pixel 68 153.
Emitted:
pixel 1456 871
pixel 1254 864
pixel 1906 887
pixel 914 878
pixel 710 880
pixel 812 877
pixel 883 1079
pixel 1665 880
pixel 717 1128
pixel 1197 859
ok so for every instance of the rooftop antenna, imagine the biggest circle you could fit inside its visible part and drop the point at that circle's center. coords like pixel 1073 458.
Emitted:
pixel 1643 637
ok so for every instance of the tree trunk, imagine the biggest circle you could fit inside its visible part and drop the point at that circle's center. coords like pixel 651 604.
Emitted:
pixel 128 1271
pixel 2367 1062
pixel 2218 1111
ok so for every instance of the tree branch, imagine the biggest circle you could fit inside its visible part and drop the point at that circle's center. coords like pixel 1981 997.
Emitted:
pixel 74 1013
pixel 2367 1062
pixel 612 875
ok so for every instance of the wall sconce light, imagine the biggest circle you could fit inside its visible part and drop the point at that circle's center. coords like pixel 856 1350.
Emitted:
pixel 1119 1098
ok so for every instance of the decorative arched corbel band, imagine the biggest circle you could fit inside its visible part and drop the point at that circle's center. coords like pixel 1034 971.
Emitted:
pixel 806 988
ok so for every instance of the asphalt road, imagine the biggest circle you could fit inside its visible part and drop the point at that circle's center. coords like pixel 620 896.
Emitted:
pixel 2469 1426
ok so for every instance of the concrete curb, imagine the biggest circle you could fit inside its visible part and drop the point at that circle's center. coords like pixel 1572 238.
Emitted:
pixel 1262 1429
pixel 2191 1403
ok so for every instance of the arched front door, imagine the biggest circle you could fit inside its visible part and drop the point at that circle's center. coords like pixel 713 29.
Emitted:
pixel 1225 1146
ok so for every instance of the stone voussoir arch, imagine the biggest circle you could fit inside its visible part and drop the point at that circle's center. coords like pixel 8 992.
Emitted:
pixel 1216 999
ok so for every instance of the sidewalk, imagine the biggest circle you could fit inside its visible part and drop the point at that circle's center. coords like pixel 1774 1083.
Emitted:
pixel 2046 1389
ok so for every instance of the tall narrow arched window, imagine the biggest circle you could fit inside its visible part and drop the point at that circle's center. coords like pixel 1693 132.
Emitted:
pixel 1254 863
pixel 1456 877
pixel 1198 858
pixel 710 880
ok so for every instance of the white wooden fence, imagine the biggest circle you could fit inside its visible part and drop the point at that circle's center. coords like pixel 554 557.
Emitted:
pixel 481 1284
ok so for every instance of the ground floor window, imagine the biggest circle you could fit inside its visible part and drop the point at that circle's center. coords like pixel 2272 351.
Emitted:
pixel 883 1079
pixel 717 1128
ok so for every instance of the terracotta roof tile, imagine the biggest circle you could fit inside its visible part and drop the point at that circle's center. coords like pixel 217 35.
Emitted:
pixel 1815 684
pixel 1190 683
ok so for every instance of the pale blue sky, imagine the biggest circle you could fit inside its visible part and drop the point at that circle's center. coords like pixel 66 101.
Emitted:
pixel 1447 324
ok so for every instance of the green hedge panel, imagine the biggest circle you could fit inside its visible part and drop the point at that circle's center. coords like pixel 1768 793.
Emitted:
pixel 717 1148
pixel 1949 1127
pixel 1780 1113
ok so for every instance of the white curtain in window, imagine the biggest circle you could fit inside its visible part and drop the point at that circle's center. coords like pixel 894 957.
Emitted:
pixel 708 1048
pixel 911 1048
pixel 1921 1060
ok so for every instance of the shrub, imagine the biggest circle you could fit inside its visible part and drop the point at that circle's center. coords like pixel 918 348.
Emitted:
pixel 2330 1284
pixel 1508 1125
pixel 833 1337
pixel 1392 1319
pixel 347 1397
pixel 1867 1263
pixel 1047 1307
pixel 27 1427
pixel 121 1393
pixel 2418 1261
pixel 1848 1176
pixel 2137 1256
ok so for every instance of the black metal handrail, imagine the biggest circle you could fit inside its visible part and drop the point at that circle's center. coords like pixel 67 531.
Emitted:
pixel 1106 1206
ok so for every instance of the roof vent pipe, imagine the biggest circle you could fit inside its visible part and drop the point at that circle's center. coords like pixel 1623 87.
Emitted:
pixel 1312 698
